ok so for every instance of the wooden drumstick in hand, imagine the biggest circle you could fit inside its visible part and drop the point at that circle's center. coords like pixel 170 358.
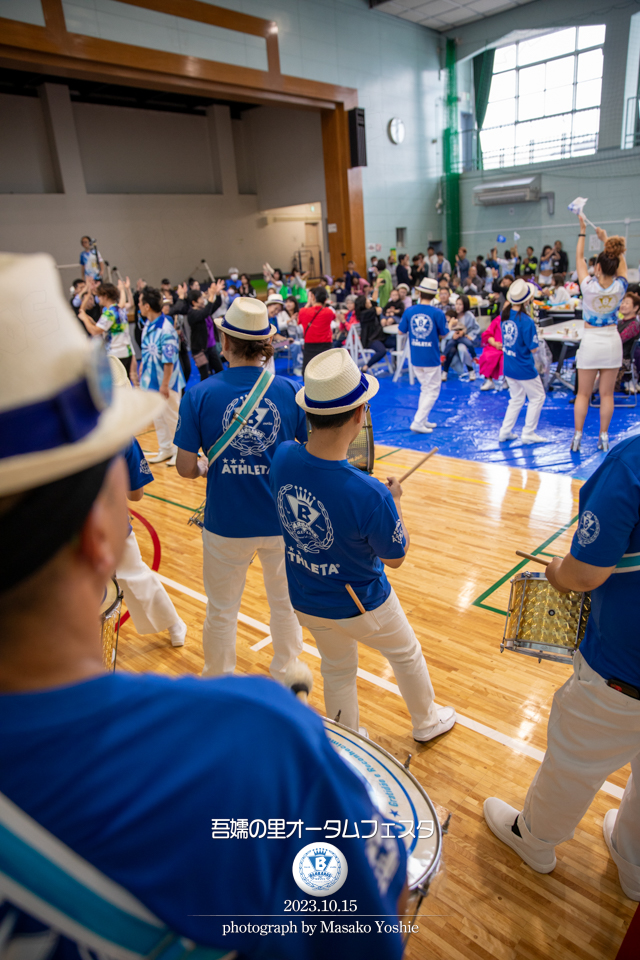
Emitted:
pixel 354 597
pixel 418 464
pixel 530 556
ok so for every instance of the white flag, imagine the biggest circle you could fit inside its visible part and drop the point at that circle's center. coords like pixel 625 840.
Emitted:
pixel 516 236
pixel 576 206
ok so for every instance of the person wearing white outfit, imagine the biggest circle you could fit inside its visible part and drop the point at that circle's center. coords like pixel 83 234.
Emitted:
pixel 601 345
pixel 338 523
pixel 161 370
pixel 519 342
pixel 425 324
pixel 240 517
pixel 594 724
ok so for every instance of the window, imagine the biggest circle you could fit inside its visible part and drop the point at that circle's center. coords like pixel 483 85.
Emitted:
pixel 544 102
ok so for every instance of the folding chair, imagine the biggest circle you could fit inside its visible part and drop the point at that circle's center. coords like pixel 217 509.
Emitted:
pixel 401 354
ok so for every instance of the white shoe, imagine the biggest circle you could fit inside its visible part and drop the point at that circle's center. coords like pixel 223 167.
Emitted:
pixel 178 633
pixel 575 443
pixel 447 718
pixel 364 732
pixel 503 437
pixel 533 438
pixel 472 375
pixel 608 824
pixel 500 817
pixel 171 462
pixel 159 457
pixel 420 428
pixel 603 442
pixel 431 426
pixel 444 374
pixel 488 385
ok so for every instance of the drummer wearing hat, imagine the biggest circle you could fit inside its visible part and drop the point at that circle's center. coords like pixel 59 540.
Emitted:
pixel 519 343
pixel 240 516
pixel 425 324
pixel 338 523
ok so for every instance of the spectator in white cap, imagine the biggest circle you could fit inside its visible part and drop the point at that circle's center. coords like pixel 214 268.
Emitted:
pixel 239 418
pixel 287 336
pixel 338 524
pixel 425 324
pixel 519 343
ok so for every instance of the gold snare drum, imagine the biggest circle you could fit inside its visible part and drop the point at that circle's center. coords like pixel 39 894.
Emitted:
pixel 543 623
pixel 110 623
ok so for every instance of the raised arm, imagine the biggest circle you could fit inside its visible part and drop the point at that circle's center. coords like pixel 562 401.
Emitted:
pixel 581 264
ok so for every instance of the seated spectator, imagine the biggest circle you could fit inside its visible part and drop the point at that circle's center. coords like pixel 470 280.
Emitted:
pixel 444 297
pixel 491 360
pixel 350 275
pixel 372 333
pixel 464 313
pixel 404 295
pixel 481 266
pixel 396 302
pixel 473 285
pixel 246 287
pixel 289 334
pixel 383 282
pixel 629 330
pixel 443 264
pixel 457 346
pixel 557 293
pixel 403 274
pixel 339 289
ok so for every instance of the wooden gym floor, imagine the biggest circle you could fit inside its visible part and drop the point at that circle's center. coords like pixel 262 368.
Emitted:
pixel 466 520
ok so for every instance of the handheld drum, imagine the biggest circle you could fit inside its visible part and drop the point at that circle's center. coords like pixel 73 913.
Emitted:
pixel 543 623
pixel 361 452
pixel 110 623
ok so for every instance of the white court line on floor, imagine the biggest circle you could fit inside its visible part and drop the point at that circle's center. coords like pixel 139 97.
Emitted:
pixel 514 744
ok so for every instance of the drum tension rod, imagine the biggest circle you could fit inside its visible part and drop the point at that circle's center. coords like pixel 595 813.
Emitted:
pixel 445 825
pixel 407 762
pixel 336 719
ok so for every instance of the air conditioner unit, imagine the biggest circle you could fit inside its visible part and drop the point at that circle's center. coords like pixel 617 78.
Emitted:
pixel 523 190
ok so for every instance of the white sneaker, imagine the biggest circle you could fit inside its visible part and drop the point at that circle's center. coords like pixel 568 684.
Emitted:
pixel 500 817
pixel 444 374
pixel 420 428
pixel 533 438
pixel 472 375
pixel 178 633
pixel 608 824
pixel 488 385
pixel 503 437
pixel 159 457
pixel 431 426
pixel 447 718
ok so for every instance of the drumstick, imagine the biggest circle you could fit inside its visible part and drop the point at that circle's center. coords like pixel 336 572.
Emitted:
pixel 299 678
pixel 354 597
pixel 418 464
pixel 530 556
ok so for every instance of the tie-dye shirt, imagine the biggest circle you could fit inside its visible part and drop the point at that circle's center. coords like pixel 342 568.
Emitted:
pixel 91 260
pixel 115 323
pixel 600 304
pixel 160 345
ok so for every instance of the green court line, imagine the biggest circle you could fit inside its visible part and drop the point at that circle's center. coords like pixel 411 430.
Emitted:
pixel 390 454
pixel 172 502
pixel 479 601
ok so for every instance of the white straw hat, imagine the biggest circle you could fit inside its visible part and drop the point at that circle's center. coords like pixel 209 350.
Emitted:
pixel 119 374
pixel 333 384
pixel 274 298
pixel 427 285
pixel 247 319
pixel 57 412
pixel 520 292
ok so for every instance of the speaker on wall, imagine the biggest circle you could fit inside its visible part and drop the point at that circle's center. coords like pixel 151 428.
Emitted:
pixel 357 138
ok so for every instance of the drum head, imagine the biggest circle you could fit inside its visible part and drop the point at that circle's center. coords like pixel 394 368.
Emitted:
pixel 110 597
pixel 398 796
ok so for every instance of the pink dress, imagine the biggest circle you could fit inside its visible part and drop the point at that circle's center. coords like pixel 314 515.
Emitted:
pixel 491 359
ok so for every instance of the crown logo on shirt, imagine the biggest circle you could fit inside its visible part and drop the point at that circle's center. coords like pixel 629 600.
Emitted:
pixel 303 496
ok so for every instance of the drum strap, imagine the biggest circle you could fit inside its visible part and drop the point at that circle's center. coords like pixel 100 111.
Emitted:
pixel 241 417
pixel 42 876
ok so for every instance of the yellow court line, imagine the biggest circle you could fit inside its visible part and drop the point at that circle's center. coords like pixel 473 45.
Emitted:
pixel 455 476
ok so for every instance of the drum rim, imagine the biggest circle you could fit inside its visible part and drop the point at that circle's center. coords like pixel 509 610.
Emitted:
pixel 435 864
pixel 105 614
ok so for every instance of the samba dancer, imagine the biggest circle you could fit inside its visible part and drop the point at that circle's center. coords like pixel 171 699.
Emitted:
pixel 127 751
pixel 240 516
pixel 338 524
pixel 594 724
pixel 425 324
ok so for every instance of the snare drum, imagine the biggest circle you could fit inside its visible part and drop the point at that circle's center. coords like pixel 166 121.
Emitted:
pixel 399 797
pixel 110 623
pixel 543 623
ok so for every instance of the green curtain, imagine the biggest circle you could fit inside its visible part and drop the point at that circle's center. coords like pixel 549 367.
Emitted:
pixel 482 75
pixel 451 156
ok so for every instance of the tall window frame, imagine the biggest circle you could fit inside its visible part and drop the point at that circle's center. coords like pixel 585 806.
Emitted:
pixel 524 86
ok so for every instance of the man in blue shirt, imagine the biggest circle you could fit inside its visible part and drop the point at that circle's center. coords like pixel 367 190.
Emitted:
pixel 594 725
pixel 240 516
pixel 338 523
pixel 145 777
pixel 425 324
pixel 161 370
pixel 519 343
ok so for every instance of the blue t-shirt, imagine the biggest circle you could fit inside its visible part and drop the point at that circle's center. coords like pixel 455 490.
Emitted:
pixel 519 338
pixel 138 466
pixel 132 770
pixel 239 502
pixel 609 533
pixel 336 522
pixel 425 325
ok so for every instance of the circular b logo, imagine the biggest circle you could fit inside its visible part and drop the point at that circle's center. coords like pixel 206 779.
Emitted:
pixel 320 869
pixel 588 528
pixel 509 333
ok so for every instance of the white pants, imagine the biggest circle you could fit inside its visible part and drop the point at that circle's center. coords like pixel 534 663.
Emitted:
pixel 385 629
pixel 593 731
pixel 519 391
pixel 166 423
pixel 430 380
pixel 147 600
pixel 225 564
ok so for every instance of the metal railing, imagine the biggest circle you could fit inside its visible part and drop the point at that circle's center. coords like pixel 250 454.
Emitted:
pixel 632 124
pixel 470 157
